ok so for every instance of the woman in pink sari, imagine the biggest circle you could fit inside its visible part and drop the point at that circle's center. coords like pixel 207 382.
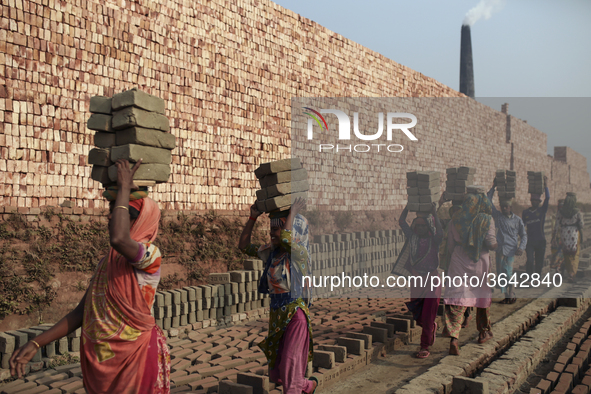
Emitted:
pixel 122 349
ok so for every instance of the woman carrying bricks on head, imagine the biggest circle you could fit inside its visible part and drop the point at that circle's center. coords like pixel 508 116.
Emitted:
pixel 471 236
pixel 420 257
pixel 122 349
pixel 288 346
pixel 569 220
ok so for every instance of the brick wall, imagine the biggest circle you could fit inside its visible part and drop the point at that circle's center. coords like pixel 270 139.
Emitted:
pixel 227 70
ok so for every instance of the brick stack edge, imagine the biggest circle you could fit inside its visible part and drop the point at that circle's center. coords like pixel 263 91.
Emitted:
pixel 423 189
pixel 130 126
pixel 281 183
pixel 228 98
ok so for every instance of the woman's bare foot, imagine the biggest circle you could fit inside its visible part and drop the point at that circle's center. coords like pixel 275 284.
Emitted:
pixel 485 336
pixel 454 347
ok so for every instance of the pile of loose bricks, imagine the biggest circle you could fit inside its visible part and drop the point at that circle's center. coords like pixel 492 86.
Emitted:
pixel 130 126
pixel 281 183
pixel 423 189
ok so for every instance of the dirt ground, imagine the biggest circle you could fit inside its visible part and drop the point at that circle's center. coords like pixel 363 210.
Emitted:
pixel 389 373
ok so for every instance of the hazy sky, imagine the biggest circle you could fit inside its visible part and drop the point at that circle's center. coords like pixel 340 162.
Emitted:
pixel 527 48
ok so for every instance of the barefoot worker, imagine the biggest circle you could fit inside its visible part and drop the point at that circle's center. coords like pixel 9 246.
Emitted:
pixel 122 349
pixel 471 236
pixel 288 346
pixel 420 257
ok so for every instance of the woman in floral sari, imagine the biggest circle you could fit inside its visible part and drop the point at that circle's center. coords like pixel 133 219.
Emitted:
pixel 288 346
pixel 122 350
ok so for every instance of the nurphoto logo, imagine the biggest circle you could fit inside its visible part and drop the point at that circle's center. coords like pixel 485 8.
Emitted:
pixel 344 131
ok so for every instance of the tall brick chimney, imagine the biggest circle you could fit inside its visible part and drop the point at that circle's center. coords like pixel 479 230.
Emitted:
pixel 466 67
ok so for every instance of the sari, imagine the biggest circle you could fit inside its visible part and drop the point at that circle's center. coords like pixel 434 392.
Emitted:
pixel 122 350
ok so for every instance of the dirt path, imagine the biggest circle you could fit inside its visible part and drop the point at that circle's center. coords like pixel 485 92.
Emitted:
pixel 393 371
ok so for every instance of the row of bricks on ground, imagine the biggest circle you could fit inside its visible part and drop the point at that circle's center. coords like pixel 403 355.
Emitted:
pixel 198 358
pixel 571 372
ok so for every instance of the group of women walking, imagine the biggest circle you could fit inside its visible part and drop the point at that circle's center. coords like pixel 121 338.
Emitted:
pixel 123 351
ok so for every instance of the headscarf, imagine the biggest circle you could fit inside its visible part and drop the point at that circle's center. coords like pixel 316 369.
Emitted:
pixel 111 193
pixel 569 208
pixel 414 239
pixel 472 222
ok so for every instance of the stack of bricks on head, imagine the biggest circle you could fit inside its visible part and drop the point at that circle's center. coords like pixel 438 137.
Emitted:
pixel 506 184
pixel 536 182
pixel 423 190
pixel 458 181
pixel 130 126
pixel 281 183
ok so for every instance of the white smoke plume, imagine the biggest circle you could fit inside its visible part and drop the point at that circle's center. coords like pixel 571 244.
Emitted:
pixel 485 9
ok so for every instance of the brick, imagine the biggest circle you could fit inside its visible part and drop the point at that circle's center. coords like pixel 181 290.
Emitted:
pixel 137 98
pixel 354 346
pixel 101 174
pixel 366 338
pixel 285 188
pixel 132 117
pixel 148 154
pixel 147 137
pixel 323 359
pixel 227 387
pixel 100 122
pixel 100 157
pixel 464 385
pixel 277 166
pixel 340 352
pixel 219 278
pixel 7 343
pixel 259 384
pixel 152 172
pixel 100 105
pixel 377 334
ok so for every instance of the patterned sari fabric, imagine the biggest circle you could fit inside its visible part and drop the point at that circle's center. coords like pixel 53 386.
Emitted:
pixel 118 332
pixel 283 279
pixel 454 316
pixel 472 222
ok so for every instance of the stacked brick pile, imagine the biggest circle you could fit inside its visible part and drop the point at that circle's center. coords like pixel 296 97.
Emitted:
pixel 458 180
pixel 423 188
pixel 536 182
pixel 227 295
pixel 506 184
pixel 130 126
pixel 364 252
pixel 11 340
pixel 281 183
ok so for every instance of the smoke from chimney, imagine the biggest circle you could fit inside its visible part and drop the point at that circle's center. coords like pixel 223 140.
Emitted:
pixel 466 67
pixel 484 9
